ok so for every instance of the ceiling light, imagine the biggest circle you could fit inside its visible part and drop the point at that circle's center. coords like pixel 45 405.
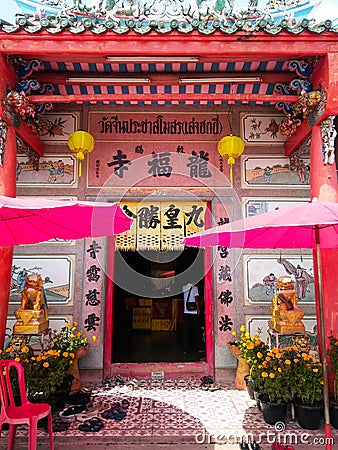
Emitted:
pixel 224 80
pixel 149 59
pixel 108 80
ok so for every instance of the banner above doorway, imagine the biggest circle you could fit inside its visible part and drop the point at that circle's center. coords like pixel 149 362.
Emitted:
pixel 160 225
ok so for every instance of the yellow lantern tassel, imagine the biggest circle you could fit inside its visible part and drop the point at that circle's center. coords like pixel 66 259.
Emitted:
pixel 231 161
pixel 80 158
pixel 81 143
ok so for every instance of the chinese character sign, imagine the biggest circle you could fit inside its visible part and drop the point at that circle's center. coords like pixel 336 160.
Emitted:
pixel 224 286
pixel 93 285
pixel 148 149
pixel 161 225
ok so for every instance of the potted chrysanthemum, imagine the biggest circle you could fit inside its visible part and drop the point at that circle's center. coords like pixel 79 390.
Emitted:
pixel 70 339
pixel 46 373
pixel 306 382
pixel 333 367
pixel 251 348
pixel 271 374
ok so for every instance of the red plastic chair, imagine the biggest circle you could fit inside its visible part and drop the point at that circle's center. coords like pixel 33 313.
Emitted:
pixel 28 412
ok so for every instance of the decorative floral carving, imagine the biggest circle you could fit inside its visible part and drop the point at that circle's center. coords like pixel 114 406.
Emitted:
pixel 329 134
pixel 307 102
pixel 20 104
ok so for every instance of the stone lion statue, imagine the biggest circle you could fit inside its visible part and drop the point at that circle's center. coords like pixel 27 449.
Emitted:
pixel 32 316
pixel 32 295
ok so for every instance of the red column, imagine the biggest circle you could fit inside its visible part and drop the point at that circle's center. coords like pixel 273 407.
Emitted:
pixel 8 188
pixel 324 186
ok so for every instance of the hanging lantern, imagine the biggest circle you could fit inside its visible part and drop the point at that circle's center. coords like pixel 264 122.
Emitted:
pixel 81 143
pixel 230 147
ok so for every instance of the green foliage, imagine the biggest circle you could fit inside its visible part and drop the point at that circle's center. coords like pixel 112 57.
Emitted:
pixel 306 376
pixel 252 347
pixel 69 339
pixel 47 371
pixel 271 376
pixel 44 373
pixel 333 367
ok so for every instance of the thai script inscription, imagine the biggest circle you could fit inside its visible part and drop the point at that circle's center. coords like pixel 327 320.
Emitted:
pixel 159 126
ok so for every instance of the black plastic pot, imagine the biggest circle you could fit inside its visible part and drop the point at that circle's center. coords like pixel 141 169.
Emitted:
pixel 334 413
pixel 273 412
pixel 249 386
pixel 309 417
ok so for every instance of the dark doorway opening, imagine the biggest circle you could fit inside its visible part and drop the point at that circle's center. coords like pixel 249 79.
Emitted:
pixel 148 305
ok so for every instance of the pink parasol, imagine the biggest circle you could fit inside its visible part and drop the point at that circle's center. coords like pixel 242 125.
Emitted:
pixel 293 227
pixel 306 225
pixel 31 220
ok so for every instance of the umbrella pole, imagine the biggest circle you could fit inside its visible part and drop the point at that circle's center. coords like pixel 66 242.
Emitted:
pixel 323 344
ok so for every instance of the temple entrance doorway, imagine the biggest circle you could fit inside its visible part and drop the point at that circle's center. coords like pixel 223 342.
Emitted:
pixel 148 305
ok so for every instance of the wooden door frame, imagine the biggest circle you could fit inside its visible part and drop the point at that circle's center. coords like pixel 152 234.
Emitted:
pixel 177 369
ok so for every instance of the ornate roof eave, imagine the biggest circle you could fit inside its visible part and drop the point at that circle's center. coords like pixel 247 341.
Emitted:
pixel 58 24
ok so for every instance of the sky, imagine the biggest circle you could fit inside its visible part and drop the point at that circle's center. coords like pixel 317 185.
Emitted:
pixel 328 9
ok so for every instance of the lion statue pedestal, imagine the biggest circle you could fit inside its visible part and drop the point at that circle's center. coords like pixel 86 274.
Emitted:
pixel 286 316
pixel 32 316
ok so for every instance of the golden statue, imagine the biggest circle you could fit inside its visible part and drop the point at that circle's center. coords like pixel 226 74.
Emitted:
pixel 32 316
pixel 286 315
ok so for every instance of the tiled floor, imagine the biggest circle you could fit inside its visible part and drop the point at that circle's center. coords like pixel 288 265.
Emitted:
pixel 180 411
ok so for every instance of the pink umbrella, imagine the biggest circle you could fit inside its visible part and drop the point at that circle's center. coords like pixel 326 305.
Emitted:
pixel 307 225
pixel 33 219
pixel 277 229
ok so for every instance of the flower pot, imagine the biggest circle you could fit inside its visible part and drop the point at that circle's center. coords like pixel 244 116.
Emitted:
pixel 249 387
pixel 60 396
pixel 273 412
pixel 74 369
pixel 309 416
pixel 242 367
pixel 256 397
pixel 334 414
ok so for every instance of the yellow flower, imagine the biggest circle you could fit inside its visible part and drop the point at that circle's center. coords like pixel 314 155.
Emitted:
pixel 265 374
pixel 94 338
pixel 268 358
pixel 287 362
pixel 9 349
pixel 72 355
pixel 75 324
pixel 65 354
pixel 250 345
pixel 315 370
pixel 233 333
pixel 259 355
pixel 45 364
pixel 272 375
pixel 68 325
pixel 17 359
pixel 242 328
pixel 25 349
pixel 279 370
